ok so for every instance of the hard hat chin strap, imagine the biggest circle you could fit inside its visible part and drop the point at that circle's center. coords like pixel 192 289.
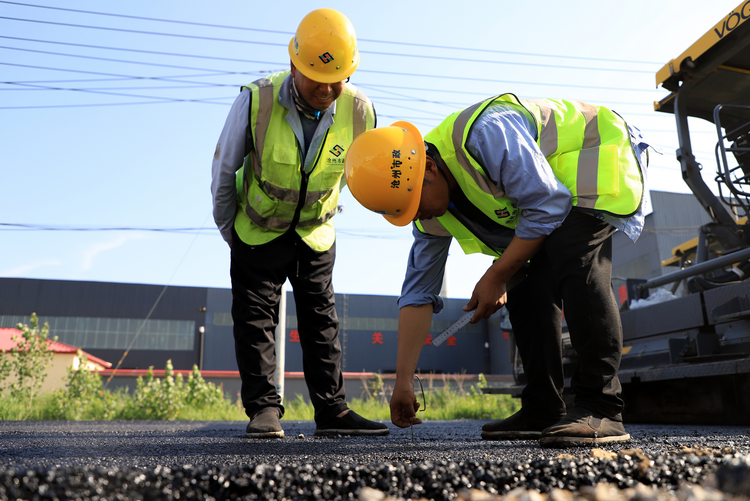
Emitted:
pixel 434 154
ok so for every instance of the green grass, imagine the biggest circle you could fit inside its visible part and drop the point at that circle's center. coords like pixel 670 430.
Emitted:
pixel 173 397
pixel 451 401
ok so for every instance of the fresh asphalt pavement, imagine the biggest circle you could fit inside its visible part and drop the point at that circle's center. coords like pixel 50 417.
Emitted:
pixel 141 460
pixel 146 444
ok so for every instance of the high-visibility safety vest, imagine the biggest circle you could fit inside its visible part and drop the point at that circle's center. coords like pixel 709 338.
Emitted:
pixel 273 192
pixel 587 146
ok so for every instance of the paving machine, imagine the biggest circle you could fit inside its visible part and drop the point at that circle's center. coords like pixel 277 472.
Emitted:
pixel 687 360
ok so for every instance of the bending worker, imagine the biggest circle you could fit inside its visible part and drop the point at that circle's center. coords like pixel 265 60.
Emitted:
pixel 541 185
pixel 277 172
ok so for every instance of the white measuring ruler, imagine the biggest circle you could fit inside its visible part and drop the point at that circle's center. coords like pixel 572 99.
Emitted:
pixel 466 317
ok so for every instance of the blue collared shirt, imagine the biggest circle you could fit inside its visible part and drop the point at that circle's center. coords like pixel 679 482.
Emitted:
pixel 503 141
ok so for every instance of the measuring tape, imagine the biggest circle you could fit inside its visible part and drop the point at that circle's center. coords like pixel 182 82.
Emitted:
pixel 465 318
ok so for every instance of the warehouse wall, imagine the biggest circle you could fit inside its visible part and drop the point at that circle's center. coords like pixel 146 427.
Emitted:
pixel 193 325
pixel 106 319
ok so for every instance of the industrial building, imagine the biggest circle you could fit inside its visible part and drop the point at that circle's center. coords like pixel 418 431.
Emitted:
pixel 193 326
pixel 135 326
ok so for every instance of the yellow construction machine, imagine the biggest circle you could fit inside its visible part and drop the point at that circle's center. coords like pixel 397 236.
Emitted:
pixel 688 359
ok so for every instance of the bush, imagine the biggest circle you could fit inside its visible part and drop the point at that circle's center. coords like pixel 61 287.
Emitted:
pixel 83 396
pixel 173 397
pixel 201 394
pixel 157 398
pixel 26 369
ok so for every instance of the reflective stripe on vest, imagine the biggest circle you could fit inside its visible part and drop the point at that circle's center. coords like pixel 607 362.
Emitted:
pixel 588 148
pixel 273 187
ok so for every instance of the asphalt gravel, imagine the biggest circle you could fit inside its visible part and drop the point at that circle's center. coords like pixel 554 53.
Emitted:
pixel 214 460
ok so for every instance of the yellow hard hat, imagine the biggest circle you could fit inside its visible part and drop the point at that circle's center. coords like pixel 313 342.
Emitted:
pixel 384 170
pixel 324 48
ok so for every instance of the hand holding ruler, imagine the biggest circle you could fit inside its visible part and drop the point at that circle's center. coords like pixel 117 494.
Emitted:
pixel 466 317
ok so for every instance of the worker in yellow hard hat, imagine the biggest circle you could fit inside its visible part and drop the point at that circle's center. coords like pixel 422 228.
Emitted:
pixel 541 185
pixel 276 177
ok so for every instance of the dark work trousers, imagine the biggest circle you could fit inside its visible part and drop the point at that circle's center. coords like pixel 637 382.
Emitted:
pixel 258 273
pixel 572 271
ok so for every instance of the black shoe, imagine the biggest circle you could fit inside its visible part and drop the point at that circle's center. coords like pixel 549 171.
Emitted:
pixel 516 427
pixel 265 424
pixel 583 427
pixel 351 423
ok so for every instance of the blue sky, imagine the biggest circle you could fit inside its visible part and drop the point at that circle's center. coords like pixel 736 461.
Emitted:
pixel 108 122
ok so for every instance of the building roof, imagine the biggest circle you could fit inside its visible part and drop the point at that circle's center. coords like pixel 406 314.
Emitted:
pixel 6 343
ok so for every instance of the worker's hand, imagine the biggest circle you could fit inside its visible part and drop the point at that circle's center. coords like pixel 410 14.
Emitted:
pixel 489 296
pixel 404 404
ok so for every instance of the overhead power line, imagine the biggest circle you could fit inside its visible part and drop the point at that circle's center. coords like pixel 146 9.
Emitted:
pixel 140 51
pixel 288 33
pixel 111 60
pixel 141 32
pixel 342 231
pixel 47 227
pixel 160 99
pixel 128 77
pixel 392 73
pixel 41 87
pixel 275 44
pixel 122 94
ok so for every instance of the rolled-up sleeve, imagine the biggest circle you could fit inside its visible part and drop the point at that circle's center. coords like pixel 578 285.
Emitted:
pixel 501 140
pixel 229 157
pixel 425 270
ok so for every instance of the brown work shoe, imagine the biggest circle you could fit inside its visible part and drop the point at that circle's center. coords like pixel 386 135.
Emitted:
pixel 265 424
pixel 582 427
pixel 516 427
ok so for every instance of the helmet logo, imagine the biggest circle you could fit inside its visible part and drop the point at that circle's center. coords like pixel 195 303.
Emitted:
pixel 326 57
pixel 337 150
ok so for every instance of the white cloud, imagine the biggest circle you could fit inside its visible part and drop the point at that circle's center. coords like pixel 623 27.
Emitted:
pixel 22 270
pixel 96 249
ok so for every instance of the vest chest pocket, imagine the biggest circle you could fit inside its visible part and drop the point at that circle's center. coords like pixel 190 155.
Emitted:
pixel 284 154
pixel 331 173
pixel 260 202
pixel 283 169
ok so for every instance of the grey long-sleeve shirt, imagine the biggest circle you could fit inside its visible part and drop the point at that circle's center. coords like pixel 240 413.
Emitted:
pixel 230 150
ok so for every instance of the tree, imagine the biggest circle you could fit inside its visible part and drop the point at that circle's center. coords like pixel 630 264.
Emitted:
pixel 28 362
